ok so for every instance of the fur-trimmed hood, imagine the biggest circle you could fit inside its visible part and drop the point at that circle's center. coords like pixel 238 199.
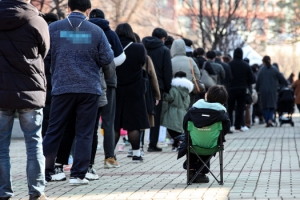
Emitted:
pixel 182 82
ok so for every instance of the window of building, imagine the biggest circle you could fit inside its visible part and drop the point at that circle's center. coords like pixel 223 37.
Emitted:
pixel 254 4
pixel 262 4
pixel 185 21
pixel 163 3
pixel 270 6
pixel 180 2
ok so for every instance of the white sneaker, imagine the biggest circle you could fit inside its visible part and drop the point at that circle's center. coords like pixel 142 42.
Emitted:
pixel 245 128
pixel 232 128
pixel 142 153
pixel 59 174
pixel 78 181
pixel 91 174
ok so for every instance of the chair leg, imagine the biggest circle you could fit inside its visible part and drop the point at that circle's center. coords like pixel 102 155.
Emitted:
pixel 221 167
pixel 188 163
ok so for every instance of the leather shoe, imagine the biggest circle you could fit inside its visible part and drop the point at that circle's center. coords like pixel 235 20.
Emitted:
pixel 34 197
pixel 154 149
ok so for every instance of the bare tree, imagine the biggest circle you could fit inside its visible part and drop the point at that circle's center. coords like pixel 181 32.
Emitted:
pixel 222 22
pixel 56 6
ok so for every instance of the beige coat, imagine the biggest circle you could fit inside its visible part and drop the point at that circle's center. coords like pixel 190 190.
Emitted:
pixel 155 86
pixel 180 62
pixel 296 87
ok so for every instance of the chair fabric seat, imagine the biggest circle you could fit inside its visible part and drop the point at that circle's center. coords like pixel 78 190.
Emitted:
pixel 205 151
pixel 205 137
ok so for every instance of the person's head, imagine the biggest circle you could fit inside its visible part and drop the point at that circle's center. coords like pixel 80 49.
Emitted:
pixel 97 13
pixel 160 34
pixel 216 94
pixel 199 52
pixel 238 53
pixel 180 74
pixel 276 65
pixel 267 61
pixel 137 38
pixel 247 60
pixel 218 53
pixel 226 59
pixel 125 30
pixel 169 41
pixel 83 6
pixel 188 42
pixel 254 68
pixel 50 17
pixel 211 55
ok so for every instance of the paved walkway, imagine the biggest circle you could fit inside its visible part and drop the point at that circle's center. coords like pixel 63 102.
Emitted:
pixel 260 164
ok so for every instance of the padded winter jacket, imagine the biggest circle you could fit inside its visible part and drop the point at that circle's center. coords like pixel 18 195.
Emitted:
pixel 24 39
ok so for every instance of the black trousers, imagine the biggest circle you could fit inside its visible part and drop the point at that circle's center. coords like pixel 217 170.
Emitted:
pixel 85 106
pixel 154 131
pixel 236 96
pixel 174 134
pixel 69 136
pixel 108 118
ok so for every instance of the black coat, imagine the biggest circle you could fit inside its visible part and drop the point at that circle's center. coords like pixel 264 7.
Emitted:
pixel 46 110
pixel 207 66
pixel 196 116
pixel 242 75
pixel 131 111
pixel 25 42
pixel 161 58
pixel 228 74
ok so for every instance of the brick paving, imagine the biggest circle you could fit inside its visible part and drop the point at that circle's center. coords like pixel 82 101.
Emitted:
pixel 261 164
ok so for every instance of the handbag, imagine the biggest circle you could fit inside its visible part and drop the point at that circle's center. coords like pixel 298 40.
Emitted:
pixel 206 79
pixel 198 86
pixel 248 99
pixel 149 97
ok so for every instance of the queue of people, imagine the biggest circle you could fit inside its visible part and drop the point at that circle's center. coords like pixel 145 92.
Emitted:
pixel 61 79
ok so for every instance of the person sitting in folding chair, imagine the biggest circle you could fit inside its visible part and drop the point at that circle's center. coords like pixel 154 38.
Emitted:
pixel 209 114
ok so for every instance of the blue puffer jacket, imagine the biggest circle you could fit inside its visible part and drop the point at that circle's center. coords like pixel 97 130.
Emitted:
pixel 77 55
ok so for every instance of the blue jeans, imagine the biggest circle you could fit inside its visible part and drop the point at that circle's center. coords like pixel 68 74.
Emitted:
pixel 31 123
pixel 268 114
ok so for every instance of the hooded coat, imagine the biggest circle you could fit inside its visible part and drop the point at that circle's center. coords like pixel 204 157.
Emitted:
pixel 180 62
pixel 113 39
pixel 176 103
pixel 268 80
pixel 242 75
pixel 25 42
pixel 161 59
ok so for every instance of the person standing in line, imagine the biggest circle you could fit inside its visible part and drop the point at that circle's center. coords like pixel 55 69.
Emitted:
pixel 211 56
pixel 131 110
pixel 78 50
pixel 268 79
pixel 181 62
pixel 199 56
pixel 25 42
pixel 49 18
pixel 161 58
pixel 97 17
pixel 242 78
pixel 296 88
pixel 176 104
pixel 228 74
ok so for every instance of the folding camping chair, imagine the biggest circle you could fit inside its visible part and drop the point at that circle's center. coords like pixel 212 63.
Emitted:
pixel 204 141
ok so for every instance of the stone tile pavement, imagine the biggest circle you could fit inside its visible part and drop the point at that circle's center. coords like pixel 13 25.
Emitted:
pixel 261 164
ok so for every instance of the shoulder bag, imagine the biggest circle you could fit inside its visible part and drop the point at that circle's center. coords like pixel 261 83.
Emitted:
pixel 149 97
pixel 198 86
pixel 206 79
